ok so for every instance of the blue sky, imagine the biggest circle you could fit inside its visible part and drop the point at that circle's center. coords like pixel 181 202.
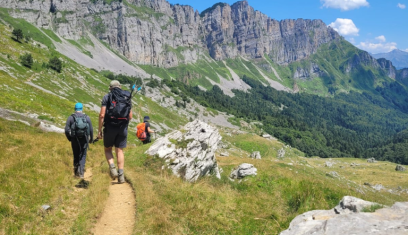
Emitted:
pixel 376 26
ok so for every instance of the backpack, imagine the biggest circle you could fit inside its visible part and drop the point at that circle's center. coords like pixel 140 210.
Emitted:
pixel 118 107
pixel 141 131
pixel 80 127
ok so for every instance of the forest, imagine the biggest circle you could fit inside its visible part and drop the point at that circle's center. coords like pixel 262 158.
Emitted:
pixel 360 125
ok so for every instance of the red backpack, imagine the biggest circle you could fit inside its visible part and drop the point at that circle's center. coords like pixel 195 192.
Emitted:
pixel 141 131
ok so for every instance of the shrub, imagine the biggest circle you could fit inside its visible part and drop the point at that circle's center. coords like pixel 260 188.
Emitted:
pixel 18 33
pixel 26 60
pixel 55 64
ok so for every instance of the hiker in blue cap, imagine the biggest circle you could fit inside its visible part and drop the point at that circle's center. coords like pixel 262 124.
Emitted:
pixel 79 132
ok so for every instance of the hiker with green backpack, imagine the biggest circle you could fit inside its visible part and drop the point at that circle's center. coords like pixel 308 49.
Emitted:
pixel 79 132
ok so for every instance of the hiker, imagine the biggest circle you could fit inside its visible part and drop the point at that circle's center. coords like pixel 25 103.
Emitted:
pixel 79 132
pixel 114 116
pixel 143 131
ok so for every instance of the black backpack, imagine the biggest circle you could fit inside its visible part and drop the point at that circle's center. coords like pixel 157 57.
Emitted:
pixel 80 127
pixel 118 107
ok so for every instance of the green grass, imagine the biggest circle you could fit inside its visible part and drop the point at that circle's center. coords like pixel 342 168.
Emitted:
pixel 26 184
pixel 28 29
pixel 264 204
pixel 51 34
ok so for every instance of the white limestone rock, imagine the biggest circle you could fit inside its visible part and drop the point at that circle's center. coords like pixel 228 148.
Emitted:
pixel 189 153
pixel 351 220
pixel 243 170
pixel 256 155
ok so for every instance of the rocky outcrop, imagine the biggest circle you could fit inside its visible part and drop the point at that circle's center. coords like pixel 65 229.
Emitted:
pixel 240 30
pixel 363 58
pixel 242 171
pixel 399 168
pixel 348 218
pixel 402 76
pixel 155 32
pixel 311 72
pixel 371 160
pixel 255 155
pixel 189 153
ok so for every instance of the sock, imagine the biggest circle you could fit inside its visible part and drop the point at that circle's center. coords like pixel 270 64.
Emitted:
pixel 112 165
pixel 120 172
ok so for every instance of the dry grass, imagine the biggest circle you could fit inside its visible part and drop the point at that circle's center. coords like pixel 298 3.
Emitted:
pixel 264 204
pixel 36 171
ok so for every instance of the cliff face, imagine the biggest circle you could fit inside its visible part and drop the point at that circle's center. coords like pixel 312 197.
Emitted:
pixel 157 33
pixel 235 30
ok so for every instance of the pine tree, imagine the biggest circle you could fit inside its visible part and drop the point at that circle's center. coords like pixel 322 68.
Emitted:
pixel 55 64
pixel 18 33
pixel 26 60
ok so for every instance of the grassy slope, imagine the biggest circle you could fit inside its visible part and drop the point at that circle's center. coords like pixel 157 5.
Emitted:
pixel 46 157
pixel 264 204
pixel 165 204
pixel 40 173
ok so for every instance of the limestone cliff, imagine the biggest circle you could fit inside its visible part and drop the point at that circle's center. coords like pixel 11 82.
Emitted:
pixel 157 33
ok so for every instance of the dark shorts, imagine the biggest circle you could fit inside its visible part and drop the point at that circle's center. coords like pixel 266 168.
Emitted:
pixel 115 136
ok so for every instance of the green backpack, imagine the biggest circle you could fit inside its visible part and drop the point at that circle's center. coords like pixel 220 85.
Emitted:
pixel 80 127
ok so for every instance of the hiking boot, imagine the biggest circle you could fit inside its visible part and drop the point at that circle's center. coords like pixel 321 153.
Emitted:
pixel 113 172
pixel 121 178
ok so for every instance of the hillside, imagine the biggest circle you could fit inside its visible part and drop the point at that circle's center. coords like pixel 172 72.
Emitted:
pixel 266 203
pixel 40 171
pixel 217 46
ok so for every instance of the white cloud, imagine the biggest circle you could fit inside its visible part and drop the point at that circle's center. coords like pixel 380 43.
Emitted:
pixel 406 50
pixel 402 6
pixel 344 5
pixel 381 38
pixel 375 48
pixel 345 27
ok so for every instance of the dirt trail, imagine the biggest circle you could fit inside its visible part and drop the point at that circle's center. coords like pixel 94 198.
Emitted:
pixel 118 216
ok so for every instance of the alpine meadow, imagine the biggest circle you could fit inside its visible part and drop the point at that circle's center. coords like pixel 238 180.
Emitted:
pixel 251 125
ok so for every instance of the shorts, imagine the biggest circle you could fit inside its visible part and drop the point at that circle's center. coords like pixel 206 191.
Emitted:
pixel 115 136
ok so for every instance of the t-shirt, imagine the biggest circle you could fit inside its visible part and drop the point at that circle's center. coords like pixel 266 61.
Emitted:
pixel 105 100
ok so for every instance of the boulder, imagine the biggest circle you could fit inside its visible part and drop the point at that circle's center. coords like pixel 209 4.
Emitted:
pixel 328 164
pixel 224 154
pixel 351 220
pixel 189 153
pixel 255 155
pixel 371 160
pixel 281 153
pixel 350 204
pixel 243 170
pixel 399 168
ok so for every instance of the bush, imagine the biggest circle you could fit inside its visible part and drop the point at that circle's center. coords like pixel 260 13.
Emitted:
pixel 55 64
pixel 26 60
pixel 18 33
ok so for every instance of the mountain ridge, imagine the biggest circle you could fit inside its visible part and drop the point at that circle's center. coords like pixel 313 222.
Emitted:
pixel 398 58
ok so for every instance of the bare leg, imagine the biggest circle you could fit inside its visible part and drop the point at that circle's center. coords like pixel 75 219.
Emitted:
pixel 109 155
pixel 121 157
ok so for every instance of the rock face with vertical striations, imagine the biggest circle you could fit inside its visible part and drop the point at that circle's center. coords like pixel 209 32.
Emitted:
pixel 155 32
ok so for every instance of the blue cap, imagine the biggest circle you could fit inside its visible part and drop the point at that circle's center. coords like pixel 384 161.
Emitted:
pixel 78 107
pixel 146 118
